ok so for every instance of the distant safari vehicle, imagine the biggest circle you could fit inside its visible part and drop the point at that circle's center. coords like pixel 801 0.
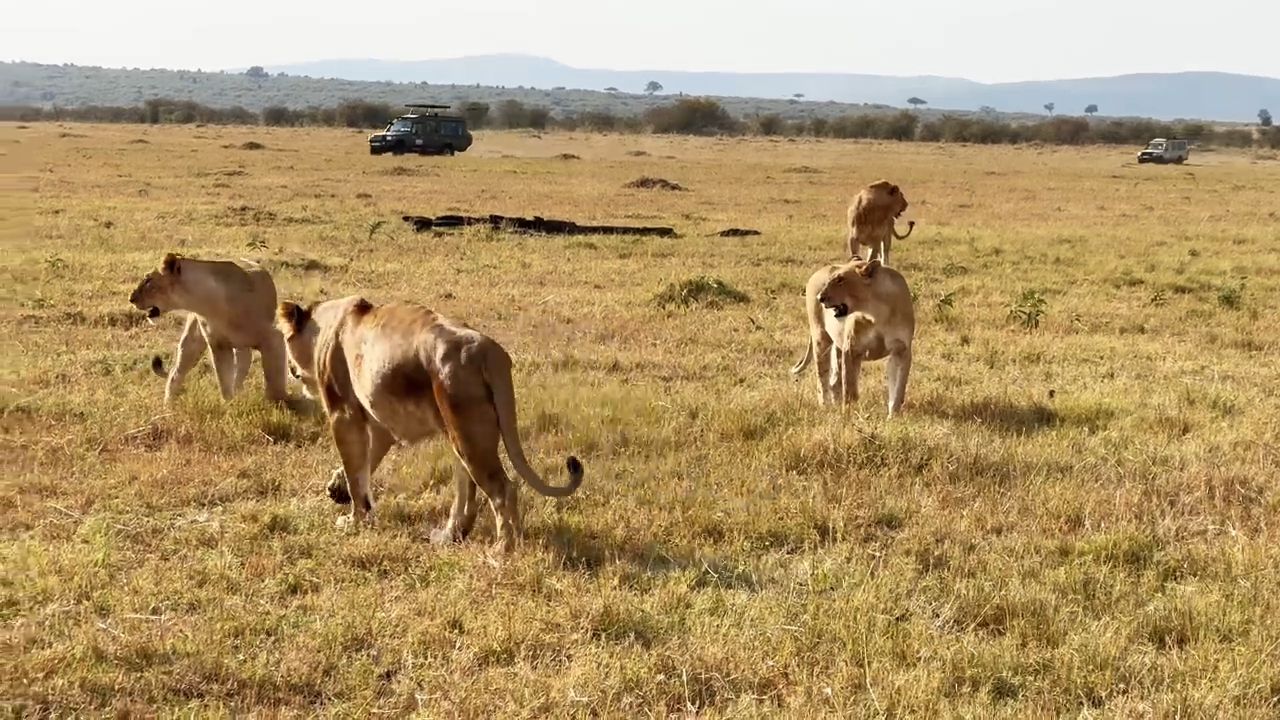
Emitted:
pixel 426 132
pixel 1165 151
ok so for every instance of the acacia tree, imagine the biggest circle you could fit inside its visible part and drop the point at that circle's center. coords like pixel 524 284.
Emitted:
pixel 1049 107
pixel 916 102
pixel 1264 117
pixel 653 86
pixel 1090 109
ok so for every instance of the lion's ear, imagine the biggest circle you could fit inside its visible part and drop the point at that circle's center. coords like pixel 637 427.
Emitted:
pixel 170 264
pixel 893 190
pixel 292 317
pixel 869 270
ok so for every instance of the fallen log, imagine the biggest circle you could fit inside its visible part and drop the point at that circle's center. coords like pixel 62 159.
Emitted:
pixel 535 224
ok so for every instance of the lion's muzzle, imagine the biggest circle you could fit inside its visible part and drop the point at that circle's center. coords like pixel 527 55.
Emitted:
pixel 840 309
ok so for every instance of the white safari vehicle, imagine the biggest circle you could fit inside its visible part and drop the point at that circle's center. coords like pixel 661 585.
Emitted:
pixel 1165 151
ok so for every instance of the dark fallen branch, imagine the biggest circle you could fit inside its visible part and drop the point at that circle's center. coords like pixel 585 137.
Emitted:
pixel 735 232
pixel 422 223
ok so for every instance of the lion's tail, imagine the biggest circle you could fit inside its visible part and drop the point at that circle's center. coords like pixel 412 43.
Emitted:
pixel 497 373
pixel 157 366
pixel 911 225
pixel 804 361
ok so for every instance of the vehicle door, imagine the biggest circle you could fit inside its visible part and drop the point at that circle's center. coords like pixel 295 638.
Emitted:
pixel 430 139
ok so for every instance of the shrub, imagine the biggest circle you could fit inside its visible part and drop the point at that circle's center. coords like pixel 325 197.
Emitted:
pixel 771 124
pixel 691 116
pixel 703 290
pixel 1028 309
pixel 362 114
pixel 476 113
pixel 279 115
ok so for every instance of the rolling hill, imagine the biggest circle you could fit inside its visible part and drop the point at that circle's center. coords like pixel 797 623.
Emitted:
pixel 566 90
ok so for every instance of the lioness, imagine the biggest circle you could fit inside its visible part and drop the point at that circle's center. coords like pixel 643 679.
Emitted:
pixel 871 218
pixel 401 372
pixel 230 310
pixel 858 311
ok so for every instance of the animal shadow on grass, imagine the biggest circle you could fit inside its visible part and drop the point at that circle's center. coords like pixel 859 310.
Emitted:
pixel 1001 414
pixel 591 551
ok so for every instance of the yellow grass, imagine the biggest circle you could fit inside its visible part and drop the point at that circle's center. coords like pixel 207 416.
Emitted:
pixel 1078 518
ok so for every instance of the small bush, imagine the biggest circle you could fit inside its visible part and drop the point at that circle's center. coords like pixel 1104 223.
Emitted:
pixel 361 114
pixel 1231 297
pixel 1029 309
pixel 691 116
pixel 654 183
pixel 707 291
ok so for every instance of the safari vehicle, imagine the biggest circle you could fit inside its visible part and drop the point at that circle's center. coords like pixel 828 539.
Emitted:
pixel 1165 151
pixel 424 131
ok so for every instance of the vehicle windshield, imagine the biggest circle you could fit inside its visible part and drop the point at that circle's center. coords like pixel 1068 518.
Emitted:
pixel 400 126
pixel 1155 146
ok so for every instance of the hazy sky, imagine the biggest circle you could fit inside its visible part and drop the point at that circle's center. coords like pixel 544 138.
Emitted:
pixel 989 40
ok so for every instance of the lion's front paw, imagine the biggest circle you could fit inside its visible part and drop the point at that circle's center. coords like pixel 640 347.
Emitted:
pixel 338 487
pixel 444 536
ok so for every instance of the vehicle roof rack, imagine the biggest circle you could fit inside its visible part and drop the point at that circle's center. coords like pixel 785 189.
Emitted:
pixel 427 106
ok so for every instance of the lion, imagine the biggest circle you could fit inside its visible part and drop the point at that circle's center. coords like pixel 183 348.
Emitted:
pixel 871 218
pixel 402 373
pixel 861 310
pixel 231 311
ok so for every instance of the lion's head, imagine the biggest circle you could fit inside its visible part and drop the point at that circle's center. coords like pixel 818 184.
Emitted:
pixel 161 290
pixel 300 332
pixel 849 288
pixel 880 201
pixel 306 328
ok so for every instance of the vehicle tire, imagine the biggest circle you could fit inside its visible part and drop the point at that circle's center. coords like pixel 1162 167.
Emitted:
pixel 1180 160
pixel 448 150
pixel 397 149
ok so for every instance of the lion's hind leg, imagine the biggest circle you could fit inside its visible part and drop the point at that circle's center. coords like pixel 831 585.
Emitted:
pixel 896 375
pixel 473 431
pixel 462 516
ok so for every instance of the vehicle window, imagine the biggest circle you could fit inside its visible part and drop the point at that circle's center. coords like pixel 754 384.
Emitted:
pixel 1155 146
pixel 400 126
pixel 427 128
pixel 451 128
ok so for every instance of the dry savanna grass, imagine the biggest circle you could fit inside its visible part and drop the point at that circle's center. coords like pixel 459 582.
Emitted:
pixel 1077 511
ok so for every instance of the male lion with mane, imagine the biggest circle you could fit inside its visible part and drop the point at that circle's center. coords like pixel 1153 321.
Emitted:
pixel 871 218
pixel 402 373
pixel 858 311
pixel 230 309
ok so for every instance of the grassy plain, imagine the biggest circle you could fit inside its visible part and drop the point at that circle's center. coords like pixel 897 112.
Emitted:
pixel 1078 518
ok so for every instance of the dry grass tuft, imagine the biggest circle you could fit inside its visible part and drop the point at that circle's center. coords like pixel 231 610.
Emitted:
pixel 654 183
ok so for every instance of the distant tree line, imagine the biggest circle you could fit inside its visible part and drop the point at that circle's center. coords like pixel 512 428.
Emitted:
pixel 685 116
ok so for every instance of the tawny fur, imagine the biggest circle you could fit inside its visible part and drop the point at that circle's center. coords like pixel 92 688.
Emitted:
pixel 400 373
pixel 858 311
pixel 870 221
pixel 231 311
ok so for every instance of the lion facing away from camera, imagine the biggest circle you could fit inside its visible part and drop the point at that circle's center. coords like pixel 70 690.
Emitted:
pixel 231 312
pixel 858 311
pixel 870 220
pixel 402 373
